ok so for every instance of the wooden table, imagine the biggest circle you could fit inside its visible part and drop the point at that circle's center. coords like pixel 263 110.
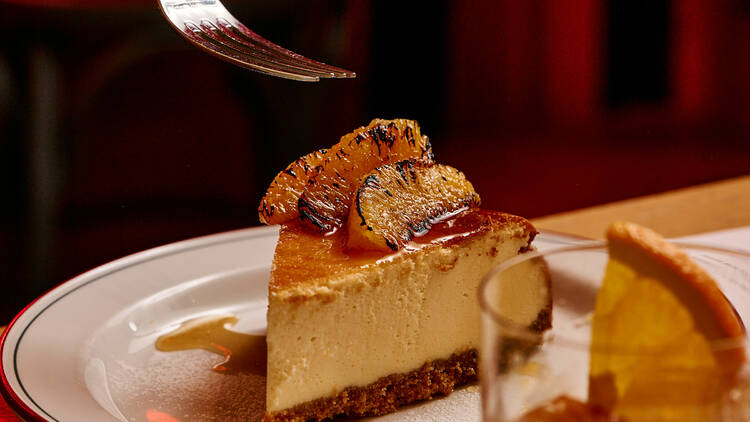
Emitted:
pixel 698 209
pixel 713 206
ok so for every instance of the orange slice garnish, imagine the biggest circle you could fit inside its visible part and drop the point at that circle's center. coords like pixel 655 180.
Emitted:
pixel 657 320
pixel 398 201
pixel 322 183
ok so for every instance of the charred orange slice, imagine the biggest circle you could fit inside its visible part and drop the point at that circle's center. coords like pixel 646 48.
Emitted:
pixel 398 201
pixel 279 204
pixel 324 181
pixel 656 321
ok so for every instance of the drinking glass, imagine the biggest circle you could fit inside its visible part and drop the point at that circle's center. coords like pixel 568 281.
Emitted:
pixel 525 374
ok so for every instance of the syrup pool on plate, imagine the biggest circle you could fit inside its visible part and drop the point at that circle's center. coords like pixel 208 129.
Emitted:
pixel 242 353
pixel 188 384
pixel 194 352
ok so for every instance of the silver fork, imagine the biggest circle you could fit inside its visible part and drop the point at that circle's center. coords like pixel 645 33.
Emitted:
pixel 210 26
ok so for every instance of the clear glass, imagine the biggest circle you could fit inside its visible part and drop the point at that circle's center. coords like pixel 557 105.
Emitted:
pixel 522 370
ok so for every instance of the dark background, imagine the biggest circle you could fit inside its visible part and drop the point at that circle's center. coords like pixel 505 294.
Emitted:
pixel 116 135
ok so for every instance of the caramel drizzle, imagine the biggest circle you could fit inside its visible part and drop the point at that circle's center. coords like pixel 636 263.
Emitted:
pixel 243 353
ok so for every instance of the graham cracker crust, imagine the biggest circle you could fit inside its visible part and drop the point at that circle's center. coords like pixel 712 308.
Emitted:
pixel 387 394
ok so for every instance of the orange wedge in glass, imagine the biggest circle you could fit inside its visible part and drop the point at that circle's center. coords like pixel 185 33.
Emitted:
pixel 658 326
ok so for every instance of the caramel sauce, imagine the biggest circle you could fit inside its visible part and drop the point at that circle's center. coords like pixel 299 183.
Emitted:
pixel 243 353
pixel 305 255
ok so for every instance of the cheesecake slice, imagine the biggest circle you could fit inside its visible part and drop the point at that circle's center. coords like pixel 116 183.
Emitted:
pixel 364 332
pixel 373 290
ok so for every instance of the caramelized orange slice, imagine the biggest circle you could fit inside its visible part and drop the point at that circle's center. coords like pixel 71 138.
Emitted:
pixel 395 202
pixel 324 181
pixel 279 204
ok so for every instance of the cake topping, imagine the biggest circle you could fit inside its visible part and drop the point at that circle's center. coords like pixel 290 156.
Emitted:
pixel 380 181
pixel 398 201
pixel 319 186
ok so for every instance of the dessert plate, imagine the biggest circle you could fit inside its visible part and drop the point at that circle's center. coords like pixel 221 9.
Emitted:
pixel 85 350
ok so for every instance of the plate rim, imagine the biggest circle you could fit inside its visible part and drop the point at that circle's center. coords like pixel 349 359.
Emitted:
pixel 14 401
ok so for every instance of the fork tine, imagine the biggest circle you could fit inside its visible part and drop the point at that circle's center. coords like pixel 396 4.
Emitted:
pixel 196 35
pixel 217 35
pixel 212 34
pixel 222 35
pixel 255 44
pixel 255 40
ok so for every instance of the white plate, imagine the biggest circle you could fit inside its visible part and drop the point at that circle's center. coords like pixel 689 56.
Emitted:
pixel 85 350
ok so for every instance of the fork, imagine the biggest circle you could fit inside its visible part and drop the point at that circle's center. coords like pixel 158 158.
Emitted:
pixel 210 26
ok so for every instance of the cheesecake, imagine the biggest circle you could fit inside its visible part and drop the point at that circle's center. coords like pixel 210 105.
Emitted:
pixel 372 299
pixel 364 333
